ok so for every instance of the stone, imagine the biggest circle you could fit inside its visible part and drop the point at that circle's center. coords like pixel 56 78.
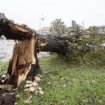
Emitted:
pixel 39 88
pixel 3 76
pixel 36 92
pixel 2 80
pixel 31 89
pixel 34 83
pixel 28 85
pixel 37 78
pixel 41 92
pixel 26 90
pixel 28 82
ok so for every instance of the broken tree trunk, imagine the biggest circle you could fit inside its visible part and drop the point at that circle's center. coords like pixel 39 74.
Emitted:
pixel 24 62
pixel 14 31
pixel 21 32
pixel 54 43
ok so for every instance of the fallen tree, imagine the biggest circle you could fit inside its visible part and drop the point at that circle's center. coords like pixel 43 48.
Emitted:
pixel 24 62
pixel 61 44
pixel 54 43
pixel 14 31
pixel 21 32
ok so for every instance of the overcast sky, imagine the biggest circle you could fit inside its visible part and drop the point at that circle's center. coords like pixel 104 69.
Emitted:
pixel 30 12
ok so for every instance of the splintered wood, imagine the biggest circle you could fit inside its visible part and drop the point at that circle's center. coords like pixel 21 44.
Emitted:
pixel 14 31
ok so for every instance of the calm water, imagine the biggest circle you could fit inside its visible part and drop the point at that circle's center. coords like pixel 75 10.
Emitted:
pixel 6 47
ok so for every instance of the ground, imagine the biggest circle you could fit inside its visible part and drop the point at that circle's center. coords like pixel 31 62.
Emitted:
pixel 65 84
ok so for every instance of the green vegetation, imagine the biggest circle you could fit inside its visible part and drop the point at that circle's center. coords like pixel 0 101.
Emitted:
pixel 3 67
pixel 85 46
pixel 88 51
pixel 66 84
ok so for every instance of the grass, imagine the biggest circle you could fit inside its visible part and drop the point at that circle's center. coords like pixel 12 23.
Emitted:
pixel 65 84
pixel 3 67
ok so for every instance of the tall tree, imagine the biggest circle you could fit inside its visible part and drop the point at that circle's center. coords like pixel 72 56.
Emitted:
pixel 57 27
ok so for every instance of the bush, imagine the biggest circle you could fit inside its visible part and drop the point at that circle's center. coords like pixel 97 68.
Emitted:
pixel 87 51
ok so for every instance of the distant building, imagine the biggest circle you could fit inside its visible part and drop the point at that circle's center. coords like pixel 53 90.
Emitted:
pixel 44 30
pixel 74 25
pixel 100 29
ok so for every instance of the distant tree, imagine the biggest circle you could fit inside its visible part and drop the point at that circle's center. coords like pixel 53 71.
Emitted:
pixel 92 29
pixel 57 27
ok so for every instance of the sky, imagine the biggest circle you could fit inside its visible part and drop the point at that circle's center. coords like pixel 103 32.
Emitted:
pixel 31 12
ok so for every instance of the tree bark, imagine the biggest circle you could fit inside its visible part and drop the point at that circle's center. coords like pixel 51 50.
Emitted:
pixel 14 31
pixel 54 43
pixel 24 63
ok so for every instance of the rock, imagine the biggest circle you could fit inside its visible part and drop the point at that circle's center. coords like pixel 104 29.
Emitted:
pixel 28 85
pixel 17 96
pixel 26 90
pixel 8 99
pixel 32 89
pixel 36 92
pixel 34 83
pixel 41 92
pixel 28 82
pixel 39 88
pixel 37 78
pixel 39 75
pixel 3 80
pixel 16 103
pixel 3 76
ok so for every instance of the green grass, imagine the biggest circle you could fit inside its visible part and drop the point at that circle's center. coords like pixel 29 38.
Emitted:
pixel 3 67
pixel 65 84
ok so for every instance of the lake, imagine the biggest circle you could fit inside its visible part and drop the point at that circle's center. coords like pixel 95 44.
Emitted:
pixel 6 47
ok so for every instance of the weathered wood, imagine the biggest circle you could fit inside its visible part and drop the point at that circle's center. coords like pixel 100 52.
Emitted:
pixel 24 63
pixel 55 44
pixel 14 31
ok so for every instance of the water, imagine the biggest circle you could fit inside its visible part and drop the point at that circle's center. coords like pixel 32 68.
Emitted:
pixel 6 47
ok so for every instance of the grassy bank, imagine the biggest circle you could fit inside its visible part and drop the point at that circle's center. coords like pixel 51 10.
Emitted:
pixel 65 84
pixel 3 67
